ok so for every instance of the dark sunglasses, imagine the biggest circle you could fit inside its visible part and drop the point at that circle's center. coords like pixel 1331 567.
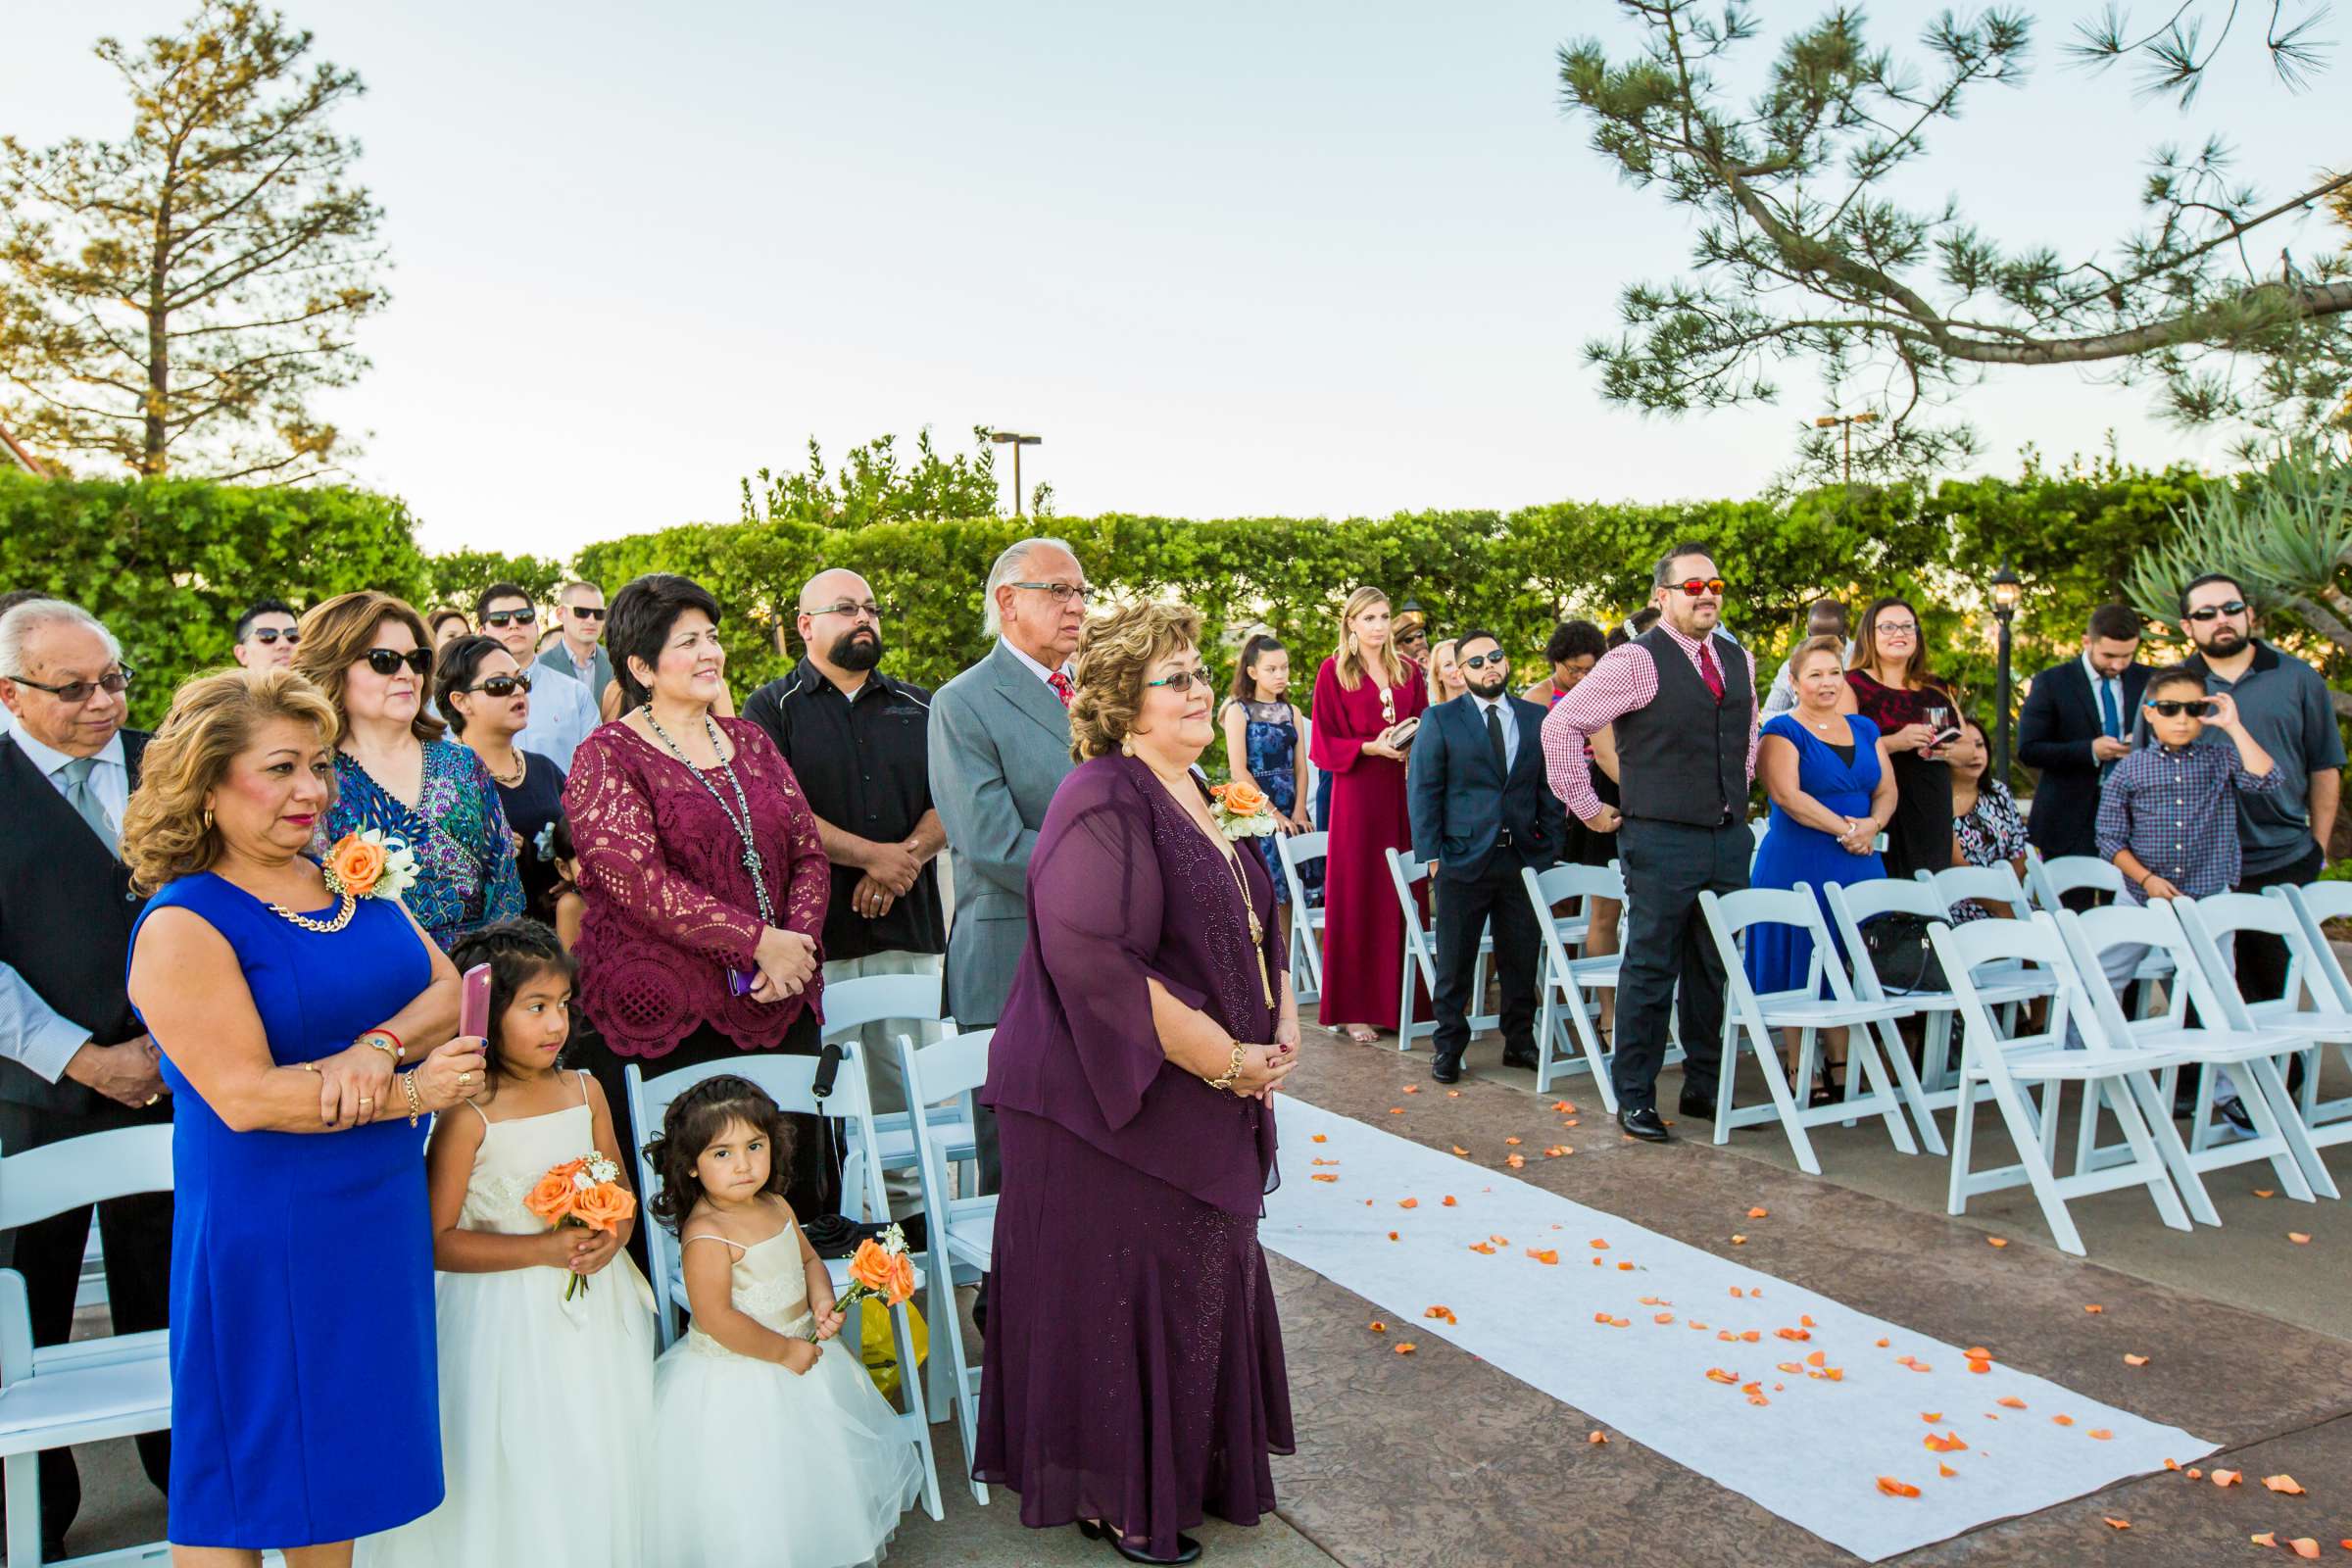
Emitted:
pixel 2228 607
pixel 1184 680
pixel 2171 707
pixel 113 682
pixel 265 635
pixel 501 685
pixel 582 613
pixel 520 617
pixel 1696 586
pixel 384 661
pixel 1482 660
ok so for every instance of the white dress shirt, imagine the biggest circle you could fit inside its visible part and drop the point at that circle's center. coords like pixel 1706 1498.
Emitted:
pixel 1510 725
pixel 1036 668
pixel 563 714
pixel 110 780
pixel 2123 713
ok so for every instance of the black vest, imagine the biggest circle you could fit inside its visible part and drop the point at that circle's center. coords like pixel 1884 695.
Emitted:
pixel 1684 756
pixel 66 914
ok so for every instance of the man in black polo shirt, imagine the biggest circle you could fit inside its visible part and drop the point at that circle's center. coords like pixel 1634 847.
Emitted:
pixel 857 739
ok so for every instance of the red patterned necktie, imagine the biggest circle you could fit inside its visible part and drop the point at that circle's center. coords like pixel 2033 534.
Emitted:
pixel 1061 683
pixel 1708 673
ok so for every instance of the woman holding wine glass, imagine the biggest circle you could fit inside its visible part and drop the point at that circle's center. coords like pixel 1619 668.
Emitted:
pixel 1888 684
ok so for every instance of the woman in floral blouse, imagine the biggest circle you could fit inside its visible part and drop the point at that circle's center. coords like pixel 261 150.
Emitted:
pixel 371 656
pixel 1986 827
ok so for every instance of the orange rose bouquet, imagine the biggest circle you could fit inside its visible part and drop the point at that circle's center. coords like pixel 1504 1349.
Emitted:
pixel 371 865
pixel 585 1193
pixel 1244 812
pixel 880 1267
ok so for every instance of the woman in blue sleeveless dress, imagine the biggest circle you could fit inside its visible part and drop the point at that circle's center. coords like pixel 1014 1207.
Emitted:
pixel 1832 793
pixel 304 1406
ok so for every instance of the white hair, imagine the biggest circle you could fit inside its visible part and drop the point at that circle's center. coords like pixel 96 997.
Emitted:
pixel 31 617
pixel 1015 557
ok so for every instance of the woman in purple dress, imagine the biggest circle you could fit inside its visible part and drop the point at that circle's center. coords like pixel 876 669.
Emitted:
pixel 1366 696
pixel 1134 1376
pixel 700 863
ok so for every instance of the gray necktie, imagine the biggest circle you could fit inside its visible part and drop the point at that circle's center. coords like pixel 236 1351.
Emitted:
pixel 84 799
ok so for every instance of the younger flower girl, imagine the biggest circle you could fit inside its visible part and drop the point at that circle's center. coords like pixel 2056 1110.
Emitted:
pixel 544 1399
pixel 761 1400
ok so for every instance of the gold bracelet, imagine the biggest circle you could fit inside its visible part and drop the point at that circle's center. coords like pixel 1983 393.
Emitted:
pixel 310 1067
pixel 383 1044
pixel 1233 1069
pixel 408 1084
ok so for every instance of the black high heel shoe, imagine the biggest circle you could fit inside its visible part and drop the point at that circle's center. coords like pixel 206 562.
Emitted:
pixel 1186 1549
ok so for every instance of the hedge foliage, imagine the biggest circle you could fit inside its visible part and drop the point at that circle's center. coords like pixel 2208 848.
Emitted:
pixel 169 564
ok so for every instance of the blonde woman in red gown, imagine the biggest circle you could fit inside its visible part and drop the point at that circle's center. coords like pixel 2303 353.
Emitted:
pixel 1361 693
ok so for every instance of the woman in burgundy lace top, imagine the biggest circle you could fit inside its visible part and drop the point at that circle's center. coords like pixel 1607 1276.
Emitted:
pixel 700 863
pixel 1888 683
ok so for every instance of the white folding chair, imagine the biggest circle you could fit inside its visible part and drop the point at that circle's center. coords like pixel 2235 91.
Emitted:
pixel 90 1390
pixel 1758 1018
pixel 2210 922
pixel 790 1081
pixel 1297 849
pixel 2048 882
pixel 1421 957
pixel 2212 1043
pixel 1572 985
pixel 2330 1121
pixel 1981 884
pixel 851 1005
pixel 961 1230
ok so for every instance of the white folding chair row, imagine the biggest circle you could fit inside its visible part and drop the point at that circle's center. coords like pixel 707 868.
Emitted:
pixel 1566 1040
pixel 960 1227
pixel 1295 850
pixel 1421 956
pixel 2048 882
pixel 2226 1036
pixel 2330 1121
pixel 851 1005
pixel 790 1081
pixel 91 1389
pixel 1757 1017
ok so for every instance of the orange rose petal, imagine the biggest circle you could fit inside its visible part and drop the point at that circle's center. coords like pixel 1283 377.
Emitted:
pixel 1511 1140
pixel 1409 1202
pixel 1500 1241
pixel 1738 1240
pixel 1599 1246
pixel 1486 1247
pixel 1321 1139
pixel 1736 1293
pixel 2100 1433
pixel 2266 1539
pixel 2265 1191
pixel 1444 1314
pixel 1663 1317
pixel 1759 1213
pixel 2115 1524
pixel 1788 1366
pixel 1697 1324
pixel 1818 1358
pixel 1596 1438
pixel 1881 1343
pixel 1996 1241
pixel 1453 1093
pixel 1378 1327
pixel 2304 1546
pixel 1392 1236
pixel 1545 1255
pixel 2298 1238
pixel 1897 1489
pixel 2010 1401
pixel 2194 1474
pixel 1945 1470
pixel 1396 1111
pixel 1978 1352
pixel 2063 1420
pixel 1563 1107
pixel 1727 1333
pixel 1407 1347
pixel 2093 1307
pixel 1322 1176
pixel 2172 1464
pixel 1625 1268
pixel 2283 1484
pixel 1930 1416
pixel 1716 1374
pixel 1445 1203
pixel 2135 1360
pixel 1516 1161
pixel 1805 1322
pixel 2227 1478
pixel 1459 1149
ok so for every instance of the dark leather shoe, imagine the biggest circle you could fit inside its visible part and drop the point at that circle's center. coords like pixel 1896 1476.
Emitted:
pixel 1521 1057
pixel 1697 1103
pixel 1186 1549
pixel 1446 1069
pixel 1644 1125
pixel 2234 1111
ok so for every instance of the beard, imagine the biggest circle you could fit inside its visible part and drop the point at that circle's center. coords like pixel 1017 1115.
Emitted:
pixel 858 650
pixel 2225 641
pixel 1490 686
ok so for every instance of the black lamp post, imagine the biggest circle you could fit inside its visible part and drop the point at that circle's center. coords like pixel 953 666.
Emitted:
pixel 2006 590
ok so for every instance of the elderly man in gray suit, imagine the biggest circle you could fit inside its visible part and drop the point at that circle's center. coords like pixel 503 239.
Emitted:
pixel 999 747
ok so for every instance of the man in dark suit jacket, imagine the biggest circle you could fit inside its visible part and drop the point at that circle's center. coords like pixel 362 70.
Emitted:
pixel 73 1057
pixel 1481 808
pixel 2076 723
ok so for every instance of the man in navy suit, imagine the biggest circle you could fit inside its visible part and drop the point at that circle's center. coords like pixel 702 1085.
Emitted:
pixel 1482 811
pixel 2076 724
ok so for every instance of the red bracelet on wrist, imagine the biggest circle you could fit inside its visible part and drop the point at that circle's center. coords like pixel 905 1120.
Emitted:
pixel 400 1050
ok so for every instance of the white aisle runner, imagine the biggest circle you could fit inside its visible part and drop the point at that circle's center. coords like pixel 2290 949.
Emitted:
pixel 1813 1449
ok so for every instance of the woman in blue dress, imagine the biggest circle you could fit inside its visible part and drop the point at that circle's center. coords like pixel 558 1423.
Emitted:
pixel 304 1032
pixel 1261 744
pixel 1832 793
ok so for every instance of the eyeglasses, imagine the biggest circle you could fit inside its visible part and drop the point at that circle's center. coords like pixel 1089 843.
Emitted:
pixel 1696 586
pixel 2230 607
pixel 1062 592
pixel 1899 628
pixel 384 661
pixel 1182 681
pixel 2196 707
pixel 524 616
pixel 1482 660
pixel 580 612
pixel 265 635
pixel 74 692
pixel 501 685
pixel 854 607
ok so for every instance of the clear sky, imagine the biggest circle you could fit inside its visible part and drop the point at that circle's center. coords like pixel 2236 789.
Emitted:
pixel 1231 259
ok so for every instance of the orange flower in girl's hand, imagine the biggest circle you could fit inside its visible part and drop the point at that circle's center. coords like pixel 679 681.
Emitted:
pixel 604 1207
pixel 902 1280
pixel 553 1197
pixel 356 863
pixel 870 1267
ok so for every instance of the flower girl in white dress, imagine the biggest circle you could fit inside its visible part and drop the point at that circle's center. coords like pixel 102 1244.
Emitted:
pixel 545 1401
pixel 761 1400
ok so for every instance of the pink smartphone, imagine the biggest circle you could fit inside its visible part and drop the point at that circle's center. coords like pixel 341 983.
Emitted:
pixel 473 1004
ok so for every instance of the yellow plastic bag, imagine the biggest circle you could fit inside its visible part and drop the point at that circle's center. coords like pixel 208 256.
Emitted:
pixel 878 1346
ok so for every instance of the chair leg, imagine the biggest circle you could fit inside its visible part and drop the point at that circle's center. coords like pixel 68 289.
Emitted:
pixel 1588 1040
pixel 2028 1137
pixel 1964 1141
pixel 2156 1103
pixel 1862 1055
pixel 22 1489
pixel 2145 1158
pixel 1898 1056
pixel 2291 1126
pixel 910 1387
pixel 1768 1058
pixel 968 1403
pixel 2272 1128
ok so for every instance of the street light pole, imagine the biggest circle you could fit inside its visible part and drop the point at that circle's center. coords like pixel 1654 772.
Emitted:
pixel 1016 441
pixel 1844 424
pixel 2006 590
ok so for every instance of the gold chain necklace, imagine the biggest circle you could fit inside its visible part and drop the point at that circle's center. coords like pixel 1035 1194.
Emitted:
pixel 1258 932
pixel 342 916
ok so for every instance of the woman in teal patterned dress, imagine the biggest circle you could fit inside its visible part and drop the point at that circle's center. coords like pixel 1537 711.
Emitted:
pixel 369 651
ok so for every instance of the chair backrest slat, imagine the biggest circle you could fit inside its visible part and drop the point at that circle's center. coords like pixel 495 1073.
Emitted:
pixel 2033 944
pixel 851 1005
pixel 76 1172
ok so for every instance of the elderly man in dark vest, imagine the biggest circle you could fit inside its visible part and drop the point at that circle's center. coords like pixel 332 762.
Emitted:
pixel 1681 699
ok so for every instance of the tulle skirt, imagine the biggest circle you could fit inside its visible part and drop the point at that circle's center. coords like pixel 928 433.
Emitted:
pixel 545 1406
pixel 757 1466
